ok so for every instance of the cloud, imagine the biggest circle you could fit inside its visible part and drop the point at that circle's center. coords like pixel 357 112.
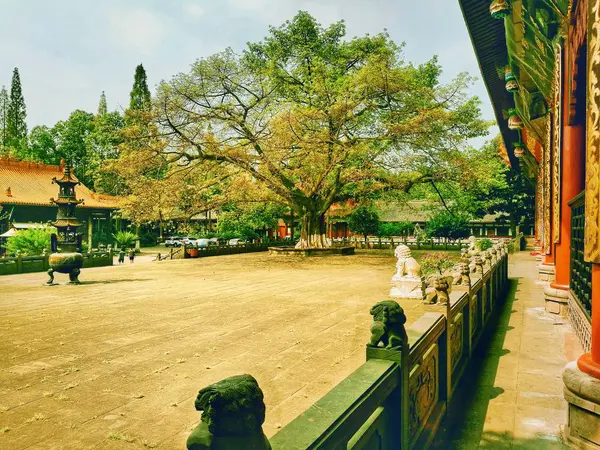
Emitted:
pixel 140 30
pixel 193 10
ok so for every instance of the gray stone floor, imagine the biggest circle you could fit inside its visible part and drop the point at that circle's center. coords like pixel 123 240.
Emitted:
pixel 512 395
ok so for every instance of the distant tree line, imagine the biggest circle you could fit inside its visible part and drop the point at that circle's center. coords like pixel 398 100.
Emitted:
pixel 84 140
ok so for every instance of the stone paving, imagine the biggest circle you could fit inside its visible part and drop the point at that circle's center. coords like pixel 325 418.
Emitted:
pixel 512 396
pixel 116 363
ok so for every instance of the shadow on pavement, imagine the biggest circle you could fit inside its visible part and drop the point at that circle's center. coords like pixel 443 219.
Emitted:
pixel 463 427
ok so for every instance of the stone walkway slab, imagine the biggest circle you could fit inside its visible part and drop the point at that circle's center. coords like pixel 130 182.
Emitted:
pixel 512 394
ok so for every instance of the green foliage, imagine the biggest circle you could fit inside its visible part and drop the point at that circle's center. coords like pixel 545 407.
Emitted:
pixel 125 239
pixel 32 241
pixel 483 244
pixel 364 220
pixel 71 140
pixel 244 222
pixel 16 125
pixel 42 146
pixel 4 102
pixel 316 118
pixel 102 107
pixel 488 186
pixel 140 94
pixel 83 140
pixel 433 263
pixel 148 239
pixel 449 225
pixel 388 229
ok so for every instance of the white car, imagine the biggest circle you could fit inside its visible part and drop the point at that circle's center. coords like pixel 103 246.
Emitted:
pixel 236 241
pixel 201 243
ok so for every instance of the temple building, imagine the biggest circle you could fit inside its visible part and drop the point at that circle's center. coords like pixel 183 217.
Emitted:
pixel 540 61
pixel 25 192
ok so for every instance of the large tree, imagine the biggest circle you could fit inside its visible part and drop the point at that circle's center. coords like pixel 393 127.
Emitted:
pixel 4 102
pixel 16 126
pixel 316 119
pixel 42 146
pixel 140 94
pixel 102 107
pixel 72 142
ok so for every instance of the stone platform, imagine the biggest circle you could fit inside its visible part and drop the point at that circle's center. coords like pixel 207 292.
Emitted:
pixel 293 251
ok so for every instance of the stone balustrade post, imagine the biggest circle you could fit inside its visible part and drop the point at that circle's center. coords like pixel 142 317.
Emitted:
pixel 233 414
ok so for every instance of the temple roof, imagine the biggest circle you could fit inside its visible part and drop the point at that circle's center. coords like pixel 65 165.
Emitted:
pixel 27 183
pixel 488 37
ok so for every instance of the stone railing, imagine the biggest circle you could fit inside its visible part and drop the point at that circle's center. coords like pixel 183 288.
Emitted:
pixel 383 243
pixel 28 264
pixel 397 399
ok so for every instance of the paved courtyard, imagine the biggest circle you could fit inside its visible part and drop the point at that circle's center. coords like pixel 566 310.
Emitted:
pixel 117 362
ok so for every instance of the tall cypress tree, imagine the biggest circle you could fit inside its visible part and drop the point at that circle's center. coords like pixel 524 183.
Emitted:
pixel 102 108
pixel 140 94
pixel 3 114
pixel 16 127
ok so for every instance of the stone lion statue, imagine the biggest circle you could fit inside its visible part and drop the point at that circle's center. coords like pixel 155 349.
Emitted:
pixel 461 274
pixel 406 266
pixel 437 292
pixel 388 325
pixel 232 418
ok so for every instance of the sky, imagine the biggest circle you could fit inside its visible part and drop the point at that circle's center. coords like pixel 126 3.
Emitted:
pixel 69 51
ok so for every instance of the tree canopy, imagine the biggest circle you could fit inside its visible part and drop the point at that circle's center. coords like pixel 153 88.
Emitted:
pixel 364 220
pixel 315 118
pixel 140 94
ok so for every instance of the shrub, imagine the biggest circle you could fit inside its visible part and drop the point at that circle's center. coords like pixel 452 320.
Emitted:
pixel 435 263
pixel 148 239
pixel 29 242
pixel 448 225
pixel 125 239
pixel 388 229
pixel 484 244
pixel 364 221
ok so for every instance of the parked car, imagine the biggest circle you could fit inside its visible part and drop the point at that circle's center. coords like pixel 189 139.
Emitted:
pixel 202 243
pixel 173 241
pixel 217 241
pixel 188 240
pixel 236 241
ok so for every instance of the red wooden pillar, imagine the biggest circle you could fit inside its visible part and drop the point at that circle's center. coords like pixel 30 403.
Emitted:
pixel 572 182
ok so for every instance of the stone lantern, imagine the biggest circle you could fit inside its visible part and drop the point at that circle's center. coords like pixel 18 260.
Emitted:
pixel 66 243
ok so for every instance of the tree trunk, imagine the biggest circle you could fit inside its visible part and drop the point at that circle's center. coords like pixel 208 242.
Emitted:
pixel 313 233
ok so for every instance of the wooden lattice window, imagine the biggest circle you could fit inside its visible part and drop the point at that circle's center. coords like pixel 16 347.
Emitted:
pixel 581 271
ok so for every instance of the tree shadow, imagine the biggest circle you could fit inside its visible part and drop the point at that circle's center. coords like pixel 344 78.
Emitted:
pixel 463 425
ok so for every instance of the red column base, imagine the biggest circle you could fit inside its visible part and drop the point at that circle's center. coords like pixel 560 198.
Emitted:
pixel 586 364
pixel 562 287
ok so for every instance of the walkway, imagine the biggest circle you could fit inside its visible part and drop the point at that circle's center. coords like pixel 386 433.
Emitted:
pixel 513 397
